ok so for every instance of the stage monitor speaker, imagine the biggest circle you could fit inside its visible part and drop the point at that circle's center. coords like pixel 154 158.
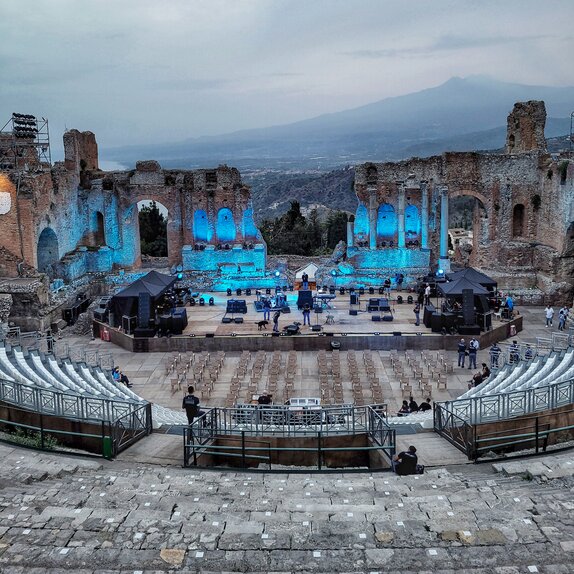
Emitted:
pixel 376 318
pixel 238 320
pixel 144 310
pixel 468 306
pixel 304 297
pixel 388 317
pixel 448 320
pixel 316 328
pixel 226 320
pixel 397 334
pixel 353 312
pixel 209 335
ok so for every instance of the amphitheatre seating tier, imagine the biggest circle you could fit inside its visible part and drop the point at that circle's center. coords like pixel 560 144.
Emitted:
pixel 70 515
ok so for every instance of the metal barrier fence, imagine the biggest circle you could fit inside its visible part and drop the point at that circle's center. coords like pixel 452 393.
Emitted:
pixel 249 425
pixel 454 429
pixel 488 408
pixel 67 405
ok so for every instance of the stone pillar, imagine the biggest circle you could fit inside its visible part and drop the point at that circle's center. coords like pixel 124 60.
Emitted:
pixel 444 262
pixel 401 214
pixel 350 231
pixel 424 215
pixel 372 218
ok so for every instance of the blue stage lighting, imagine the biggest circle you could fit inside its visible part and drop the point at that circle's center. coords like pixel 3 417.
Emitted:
pixel 180 275
pixel 277 273
pixel 333 273
pixel 440 272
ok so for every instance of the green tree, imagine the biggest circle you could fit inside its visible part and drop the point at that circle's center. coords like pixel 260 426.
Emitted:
pixel 153 231
pixel 336 225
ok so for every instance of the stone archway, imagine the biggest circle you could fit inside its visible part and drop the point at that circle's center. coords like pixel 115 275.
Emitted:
pixel 47 251
pixel 472 217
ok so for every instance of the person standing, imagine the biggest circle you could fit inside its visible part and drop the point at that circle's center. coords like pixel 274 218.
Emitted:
pixel 305 279
pixel 191 405
pixel 417 312
pixel 562 316
pixel 472 352
pixel 427 294
pixel 495 351
pixel 266 309
pixel 461 352
pixel 306 315
pixel 276 321
pixel 549 311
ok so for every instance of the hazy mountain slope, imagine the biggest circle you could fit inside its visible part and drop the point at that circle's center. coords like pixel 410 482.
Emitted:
pixel 388 129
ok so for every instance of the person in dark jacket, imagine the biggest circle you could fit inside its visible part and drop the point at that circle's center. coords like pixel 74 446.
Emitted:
pixel 406 462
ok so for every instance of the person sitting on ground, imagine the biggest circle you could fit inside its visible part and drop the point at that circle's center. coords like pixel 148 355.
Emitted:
pixel 124 379
pixel 116 374
pixel 476 380
pixel 191 405
pixel 425 406
pixel 406 462
pixel 413 406
pixel 485 371
pixel 404 410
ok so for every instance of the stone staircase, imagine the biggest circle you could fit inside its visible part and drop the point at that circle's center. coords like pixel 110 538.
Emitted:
pixel 60 514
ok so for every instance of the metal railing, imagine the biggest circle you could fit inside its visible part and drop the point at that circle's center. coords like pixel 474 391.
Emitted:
pixel 454 429
pixel 67 405
pixel 246 427
pixel 500 406
pixel 128 429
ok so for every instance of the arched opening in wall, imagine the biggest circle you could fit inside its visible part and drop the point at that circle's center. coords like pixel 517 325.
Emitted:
pixel 361 228
pixel 412 225
pixel 48 251
pixel 372 175
pixel 99 231
pixel 200 226
pixel 518 220
pixel 250 231
pixel 225 226
pixel 467 229
pixel 153 218
pixel 386 224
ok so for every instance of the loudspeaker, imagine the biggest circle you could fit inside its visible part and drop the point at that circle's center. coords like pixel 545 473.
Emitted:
pixel 139 332
pixel 469 329
pixel 209 335
pixel 274 334
pixel 388 317
pixel 482 305
pixel 177 325
pixel 448 320
pixel 436 322
pixel 468 306
pixel 129 324
pixel 304 298
pixel 428 311
pixel 238 320
pixel 376 318
pixel 397 334
pixel 354 299
pixel 226 320
pixel 353 312
pixel 316 328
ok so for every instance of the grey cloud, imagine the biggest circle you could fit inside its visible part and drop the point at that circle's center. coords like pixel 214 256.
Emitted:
pixel 443 44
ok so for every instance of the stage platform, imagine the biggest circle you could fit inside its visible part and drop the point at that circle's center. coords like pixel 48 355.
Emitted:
pixel 205 330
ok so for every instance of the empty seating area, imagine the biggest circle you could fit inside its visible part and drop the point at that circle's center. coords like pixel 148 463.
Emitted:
pixel 36 370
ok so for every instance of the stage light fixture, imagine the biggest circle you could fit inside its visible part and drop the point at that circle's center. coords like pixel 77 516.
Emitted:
pixel 343 334
pixel 333 273
pixel 377 333
pixel 180 275
pixel 277 273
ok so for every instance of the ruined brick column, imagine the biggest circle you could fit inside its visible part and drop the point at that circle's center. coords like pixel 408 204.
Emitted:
pixel 424 215
pixel 444 262
pixel 372 218
pixel 401 213
pixel 350 234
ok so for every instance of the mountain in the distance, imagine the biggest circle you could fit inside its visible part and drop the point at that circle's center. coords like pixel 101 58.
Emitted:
pixel 463 113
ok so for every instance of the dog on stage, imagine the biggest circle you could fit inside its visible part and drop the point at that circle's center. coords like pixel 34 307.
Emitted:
pixel 262 324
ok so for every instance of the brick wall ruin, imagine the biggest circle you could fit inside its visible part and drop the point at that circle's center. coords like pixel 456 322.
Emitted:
pixel 523 220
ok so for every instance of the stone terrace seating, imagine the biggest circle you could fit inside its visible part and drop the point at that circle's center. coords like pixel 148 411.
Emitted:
pixel 45 371
pixel 70 515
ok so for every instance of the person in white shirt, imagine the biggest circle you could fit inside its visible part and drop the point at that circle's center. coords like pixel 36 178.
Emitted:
pixel 549 315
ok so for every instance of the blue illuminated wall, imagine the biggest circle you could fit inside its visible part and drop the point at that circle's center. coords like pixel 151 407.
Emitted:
pixel 200 226
pixel 250 231
pixel 225 225
pixel 362 221
pixel 386 221
pixel 412 222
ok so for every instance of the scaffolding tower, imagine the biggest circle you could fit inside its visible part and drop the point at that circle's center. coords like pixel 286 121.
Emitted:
pixel 25 144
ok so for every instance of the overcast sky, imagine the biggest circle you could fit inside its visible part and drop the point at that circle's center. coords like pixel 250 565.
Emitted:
pixel 138 71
